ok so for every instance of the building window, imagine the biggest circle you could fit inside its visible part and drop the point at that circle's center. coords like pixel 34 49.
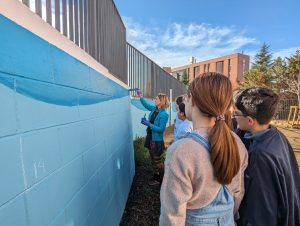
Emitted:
pixel 196 71
pixel 219 66
pixel 229 68
pixel 208 66
pixel 244 65
pixel 204 70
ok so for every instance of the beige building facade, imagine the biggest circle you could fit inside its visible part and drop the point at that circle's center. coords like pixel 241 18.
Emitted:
pixel 234 66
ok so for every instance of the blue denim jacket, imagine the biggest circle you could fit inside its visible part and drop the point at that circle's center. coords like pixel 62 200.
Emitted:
pixel 160 121
pixel 220 210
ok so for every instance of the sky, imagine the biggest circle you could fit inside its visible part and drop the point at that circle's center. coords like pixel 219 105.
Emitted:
pixel 170 32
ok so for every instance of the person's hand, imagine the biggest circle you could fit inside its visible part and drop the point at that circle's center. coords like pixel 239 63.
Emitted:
pixel 145 122
pixel 139 93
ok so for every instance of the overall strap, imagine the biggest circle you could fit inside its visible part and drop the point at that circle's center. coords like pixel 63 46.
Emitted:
pixel 196 137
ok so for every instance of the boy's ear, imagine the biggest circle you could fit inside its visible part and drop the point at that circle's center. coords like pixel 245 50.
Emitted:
pixel 251 121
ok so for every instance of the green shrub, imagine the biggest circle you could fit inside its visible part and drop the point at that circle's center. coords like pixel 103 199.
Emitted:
pixel 141 154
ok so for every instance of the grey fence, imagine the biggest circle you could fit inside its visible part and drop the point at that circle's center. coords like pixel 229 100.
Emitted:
pixel 94 25
pixel 143 73
pixel 284 108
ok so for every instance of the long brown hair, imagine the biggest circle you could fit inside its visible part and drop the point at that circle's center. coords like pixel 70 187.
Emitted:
pixel 212 94
pixel 164 100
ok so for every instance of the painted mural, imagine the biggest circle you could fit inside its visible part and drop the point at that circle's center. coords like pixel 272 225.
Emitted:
pixel 66 152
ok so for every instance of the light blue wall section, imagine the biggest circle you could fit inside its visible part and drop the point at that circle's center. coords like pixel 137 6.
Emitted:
pixel 138 111
pixel 66 151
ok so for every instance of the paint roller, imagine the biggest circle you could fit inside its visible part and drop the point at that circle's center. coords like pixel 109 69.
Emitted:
pixel 133 89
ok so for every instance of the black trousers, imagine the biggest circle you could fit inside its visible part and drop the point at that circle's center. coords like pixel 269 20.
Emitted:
pixel 156 148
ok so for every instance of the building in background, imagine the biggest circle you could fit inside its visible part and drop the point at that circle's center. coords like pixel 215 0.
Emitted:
pixel 167 69
pixel 234 66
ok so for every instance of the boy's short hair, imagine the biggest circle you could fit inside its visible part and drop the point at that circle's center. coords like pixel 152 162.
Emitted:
pixel 179 100
pixel 181 108
pixel 258 103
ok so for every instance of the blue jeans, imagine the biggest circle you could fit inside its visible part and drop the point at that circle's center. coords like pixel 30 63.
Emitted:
pixel 218 212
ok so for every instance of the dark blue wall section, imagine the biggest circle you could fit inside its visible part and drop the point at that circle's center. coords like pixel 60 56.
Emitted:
pixel 66 151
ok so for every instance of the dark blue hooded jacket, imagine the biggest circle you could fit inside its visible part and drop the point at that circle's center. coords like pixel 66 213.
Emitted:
pixel 272 182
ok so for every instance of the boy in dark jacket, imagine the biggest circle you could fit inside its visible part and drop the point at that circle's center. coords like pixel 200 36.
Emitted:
pixel 272 181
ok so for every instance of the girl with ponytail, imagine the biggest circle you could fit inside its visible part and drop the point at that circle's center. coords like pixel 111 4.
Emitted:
pixel 204 171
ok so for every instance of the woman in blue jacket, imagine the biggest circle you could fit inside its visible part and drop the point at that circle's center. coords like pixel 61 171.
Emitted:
pixel 156 125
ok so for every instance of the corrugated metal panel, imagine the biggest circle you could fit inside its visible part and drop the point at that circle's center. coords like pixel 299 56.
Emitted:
pixel 26 2
pixel 76 23
pixel 71 24
pixel 57 15
pixel 86 41
pixel 81 23
pixel 64 17
pixel 149 77
pixel 49 12
pixel 38 7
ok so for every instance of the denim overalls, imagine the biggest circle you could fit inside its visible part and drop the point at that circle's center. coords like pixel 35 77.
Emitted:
pixel 220 210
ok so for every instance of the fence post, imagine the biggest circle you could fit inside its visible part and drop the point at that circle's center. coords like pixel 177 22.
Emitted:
pixel 170 121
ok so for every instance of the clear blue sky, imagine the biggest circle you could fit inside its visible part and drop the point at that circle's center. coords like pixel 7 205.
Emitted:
pixel 166 30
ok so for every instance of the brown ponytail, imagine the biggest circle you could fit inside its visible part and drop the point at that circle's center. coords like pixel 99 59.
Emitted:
pixel 212 94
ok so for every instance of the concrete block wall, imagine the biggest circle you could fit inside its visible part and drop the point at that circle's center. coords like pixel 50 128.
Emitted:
pixel 66 151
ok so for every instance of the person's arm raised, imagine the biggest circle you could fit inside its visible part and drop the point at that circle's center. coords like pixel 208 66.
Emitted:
pixel 144 102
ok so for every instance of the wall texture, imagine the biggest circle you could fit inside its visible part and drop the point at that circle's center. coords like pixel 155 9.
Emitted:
pixel 66 153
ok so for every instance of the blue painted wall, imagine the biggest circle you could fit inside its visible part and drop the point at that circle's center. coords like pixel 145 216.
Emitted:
pixel 138 111
pixel 66 152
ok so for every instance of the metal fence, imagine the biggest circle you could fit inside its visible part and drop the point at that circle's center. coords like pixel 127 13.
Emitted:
pixel 96 27
pixel 284 108
pixel 93 25
pixel 143 73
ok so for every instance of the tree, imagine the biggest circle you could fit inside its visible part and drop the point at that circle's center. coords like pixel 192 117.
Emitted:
pixel 260 73
pixel 256 78
pixel 184 78
pixel 263 59
pixel 292 79
pixel 279 70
